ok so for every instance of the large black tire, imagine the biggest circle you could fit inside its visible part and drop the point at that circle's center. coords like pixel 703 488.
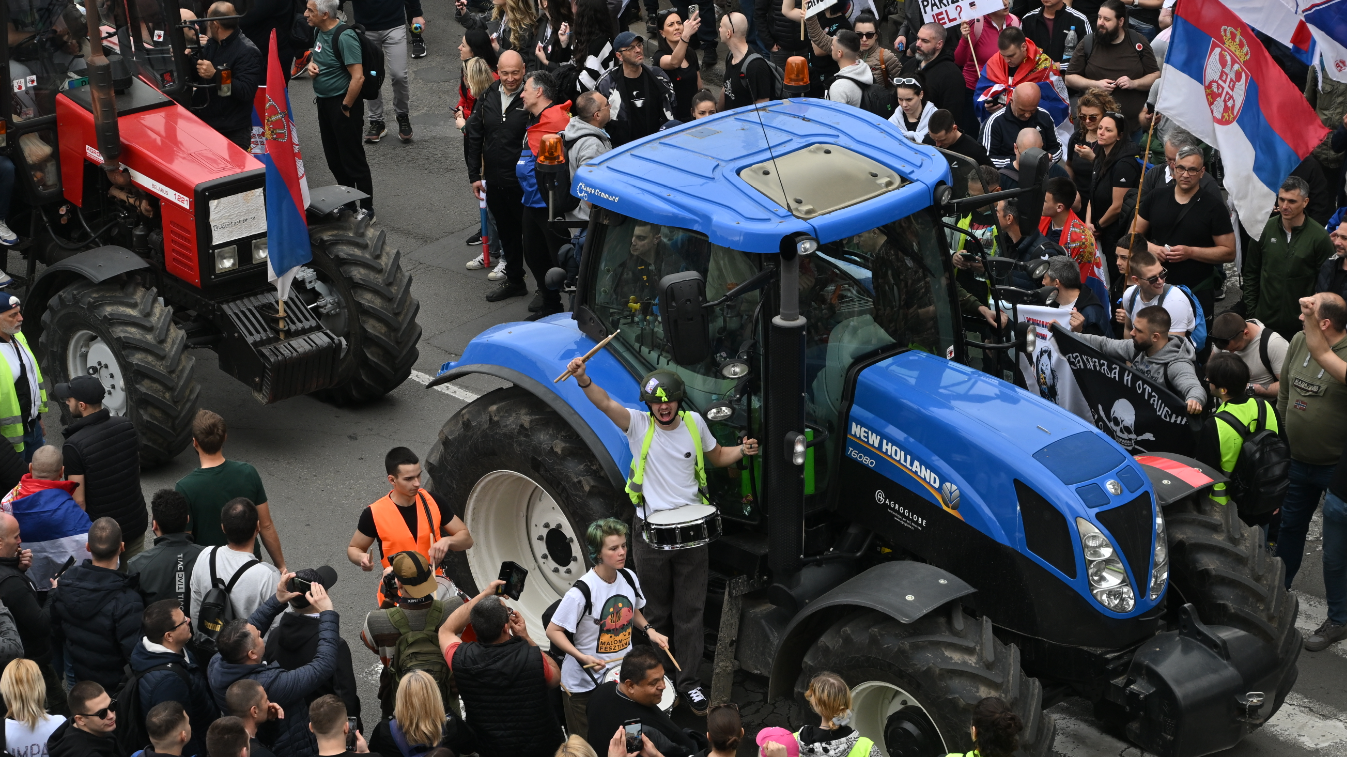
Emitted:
pixel 377 310
pixel 947 661
pixel 1221 566
pixel 151 356
pixel 512 430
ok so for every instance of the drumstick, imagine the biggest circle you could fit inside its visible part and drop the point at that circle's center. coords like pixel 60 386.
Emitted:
pixel 587 356
pixel 672 659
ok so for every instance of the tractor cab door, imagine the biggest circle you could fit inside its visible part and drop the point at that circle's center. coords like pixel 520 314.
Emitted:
pixel 153 37
pixel 43 40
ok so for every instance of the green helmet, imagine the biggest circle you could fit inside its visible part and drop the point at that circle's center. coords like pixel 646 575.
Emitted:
pixel 661 386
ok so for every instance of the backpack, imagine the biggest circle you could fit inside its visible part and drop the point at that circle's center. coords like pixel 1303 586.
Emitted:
pixel 1262 353
pixel 131 735
pixel 1261 476
pixel 420 650
pixel 301 34
pixel 217 608
pixel 875 98
pixel 551 610
pixel 371 58
pixel 1198 335
pixel 778 76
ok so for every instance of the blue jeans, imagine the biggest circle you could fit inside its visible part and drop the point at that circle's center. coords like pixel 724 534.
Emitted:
pixel 1335 558
pixel 1144 29
pixel 1302 497
pixel 6 185
pixel 32 440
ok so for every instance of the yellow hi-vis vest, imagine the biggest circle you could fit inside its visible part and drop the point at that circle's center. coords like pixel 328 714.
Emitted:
pixel 11 422
pixel 637 473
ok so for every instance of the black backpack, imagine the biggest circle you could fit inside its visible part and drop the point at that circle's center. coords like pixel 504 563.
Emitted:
pixel 1261 476
pixel 217 608
pixel 875 98
pixel 551 610
pixel 778 76
pixel 371 59
pixel 131 735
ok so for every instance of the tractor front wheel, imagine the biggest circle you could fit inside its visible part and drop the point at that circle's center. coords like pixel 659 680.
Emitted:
pixel 356 288
pixel 124 335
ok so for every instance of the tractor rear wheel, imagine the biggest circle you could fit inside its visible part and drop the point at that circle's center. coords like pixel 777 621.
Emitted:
pixel 1221 566
pixel 914 685
pixel 527 487
pixel 356 287
pixel 122 334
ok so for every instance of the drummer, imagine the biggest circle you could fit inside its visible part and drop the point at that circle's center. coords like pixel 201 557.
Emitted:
pixel 594 621
pixel 669 450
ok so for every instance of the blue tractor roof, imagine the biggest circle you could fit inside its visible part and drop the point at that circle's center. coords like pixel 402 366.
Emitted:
pixel 689 176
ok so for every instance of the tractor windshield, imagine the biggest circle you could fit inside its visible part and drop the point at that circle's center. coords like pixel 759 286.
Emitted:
pixel 44 38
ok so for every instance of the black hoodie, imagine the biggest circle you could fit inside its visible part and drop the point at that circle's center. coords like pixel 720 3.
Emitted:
pixel 293 643
pixel 69 741
pixel 97 611
pixel 944 85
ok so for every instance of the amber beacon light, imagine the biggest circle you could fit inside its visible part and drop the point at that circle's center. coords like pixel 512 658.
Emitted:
pixel 796 78
pixel 551 151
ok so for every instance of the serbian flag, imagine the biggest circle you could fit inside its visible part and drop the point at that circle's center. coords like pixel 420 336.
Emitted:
pixel 1327 22
pixel 1279 20
pixel 276 144
pixel 1076 238
pixel 1221 85
pixel 1037 68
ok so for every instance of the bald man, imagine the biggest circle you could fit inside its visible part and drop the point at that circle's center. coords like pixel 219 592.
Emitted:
pixel 757 84
pixel 1027 138
pixel 45 508
pixel 1003 127
pixel 18 594
pixel 228 110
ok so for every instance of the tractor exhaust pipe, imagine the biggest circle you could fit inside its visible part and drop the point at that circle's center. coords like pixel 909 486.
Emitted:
pixel 106 133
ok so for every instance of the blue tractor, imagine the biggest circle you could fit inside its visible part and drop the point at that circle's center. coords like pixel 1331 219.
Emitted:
pixel 931 532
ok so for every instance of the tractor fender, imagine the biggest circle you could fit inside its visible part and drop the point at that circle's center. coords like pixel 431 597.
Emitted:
pixel 902 589
pixel 96 266
pixel 531 356
pixel 1174 476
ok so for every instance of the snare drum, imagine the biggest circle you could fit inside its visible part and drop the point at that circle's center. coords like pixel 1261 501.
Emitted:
pixel 666 700
pixel 683 527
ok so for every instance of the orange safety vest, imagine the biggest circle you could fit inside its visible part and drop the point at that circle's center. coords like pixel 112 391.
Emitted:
pixel 395 537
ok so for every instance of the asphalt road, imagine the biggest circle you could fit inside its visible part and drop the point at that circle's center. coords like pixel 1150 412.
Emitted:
pixel 322 464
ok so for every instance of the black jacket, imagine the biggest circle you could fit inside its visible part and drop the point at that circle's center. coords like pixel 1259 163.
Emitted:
pixel 495 138
pixel 97 611
pixel 1331 279
pixel 257 24
pixel 293 643
pixel 244 61
pixel 32 620
pixel 944 86
pixel 1003 127
pixel 1031 247
pixel 172 686
pixel 108 449
pixel 165 569
pixel 1054 42
pixel 775 29
pixel 505 693
pixel 608 709
pixel 69 741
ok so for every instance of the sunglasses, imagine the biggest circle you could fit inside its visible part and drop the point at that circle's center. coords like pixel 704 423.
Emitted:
pixel 100 714
pixel 913 83
pixel 867 35
pixel 1157 278
pixel 1091 117
pixel 1220 343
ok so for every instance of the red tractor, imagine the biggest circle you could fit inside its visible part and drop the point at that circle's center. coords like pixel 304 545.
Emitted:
pixel 150 231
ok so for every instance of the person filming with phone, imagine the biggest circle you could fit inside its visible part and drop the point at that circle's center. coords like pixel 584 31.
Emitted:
pixel 634 700
pixel 503 679
pixel 405 520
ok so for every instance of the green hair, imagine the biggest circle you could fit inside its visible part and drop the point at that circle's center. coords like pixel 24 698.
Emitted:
pixel 600 530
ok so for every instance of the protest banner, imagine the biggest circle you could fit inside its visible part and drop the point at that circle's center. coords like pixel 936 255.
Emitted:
pixel 814 7
pixel 954 12
pixel 1049 375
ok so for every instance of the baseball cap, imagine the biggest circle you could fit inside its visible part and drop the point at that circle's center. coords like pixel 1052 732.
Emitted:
pixel 323 574
pixel 86 389
pixel 8 303
pixel 627 39
pixel 780 736
pixel 413 572
pixel 1227 326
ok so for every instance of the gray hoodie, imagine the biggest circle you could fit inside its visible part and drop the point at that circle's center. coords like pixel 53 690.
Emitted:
pixel 1172 367
pixel 588 142
pixel 845 91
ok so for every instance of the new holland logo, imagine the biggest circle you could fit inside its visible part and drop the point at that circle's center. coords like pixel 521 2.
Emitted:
pixel 950 493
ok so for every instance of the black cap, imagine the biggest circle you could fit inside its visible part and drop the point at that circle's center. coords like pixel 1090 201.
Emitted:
pixel 323 574
pixel 86 389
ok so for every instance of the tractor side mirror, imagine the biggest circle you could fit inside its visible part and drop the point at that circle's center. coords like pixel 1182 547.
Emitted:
pixel 687 321
pixel 1034 164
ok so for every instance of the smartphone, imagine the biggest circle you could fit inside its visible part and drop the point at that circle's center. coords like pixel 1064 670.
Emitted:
pixel 300 585
pixel 513 574
pixel 632 728
pixel 350 734
pixel 693 12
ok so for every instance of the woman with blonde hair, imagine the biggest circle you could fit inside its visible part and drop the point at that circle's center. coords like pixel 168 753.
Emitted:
pixel 576 746
pixel 513 25
pixel 417 725
pixel 27 726
pixel 830 698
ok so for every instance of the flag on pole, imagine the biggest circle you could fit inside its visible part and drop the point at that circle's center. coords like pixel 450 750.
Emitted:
pixel 287 188
pixel 1327 22
pixel 1221 85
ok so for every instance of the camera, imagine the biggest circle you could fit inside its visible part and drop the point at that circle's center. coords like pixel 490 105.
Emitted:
pixel 301 585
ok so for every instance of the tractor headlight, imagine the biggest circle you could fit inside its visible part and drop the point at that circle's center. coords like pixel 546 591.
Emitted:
pixel 226 258
pixel 1160 573
pixel 260 250
pixel 1108 578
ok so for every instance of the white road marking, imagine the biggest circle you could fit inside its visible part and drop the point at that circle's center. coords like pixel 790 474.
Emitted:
pixel 449 389
pixel 1313 612
pixel 1311 724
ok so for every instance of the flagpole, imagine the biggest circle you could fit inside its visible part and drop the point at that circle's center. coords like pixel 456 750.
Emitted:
pixel 1155 116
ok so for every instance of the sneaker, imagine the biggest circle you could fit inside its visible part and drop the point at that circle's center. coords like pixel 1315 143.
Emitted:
pixel 477 263
pixel 498 272
pixel 7 237
pixel 418 46
pixel 375 131
pixel 300 64
pixel 697 701
pixel 1325 636
pixel 475 239
pixel 404 127
pixel 537 303
pixel 505 290
pixel 544 311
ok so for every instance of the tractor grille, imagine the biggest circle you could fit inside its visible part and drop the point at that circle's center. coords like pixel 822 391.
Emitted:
pixel 1132 527
pixel 304 361
pixel 1046 532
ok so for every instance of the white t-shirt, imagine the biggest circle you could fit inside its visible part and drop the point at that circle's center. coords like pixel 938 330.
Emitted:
pixel 252 589
pixel 1176 302
pixel 616 604
pixel 22 741
pixel 671 468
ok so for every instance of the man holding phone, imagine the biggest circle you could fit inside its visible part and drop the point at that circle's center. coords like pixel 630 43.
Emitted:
pixel 404 520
